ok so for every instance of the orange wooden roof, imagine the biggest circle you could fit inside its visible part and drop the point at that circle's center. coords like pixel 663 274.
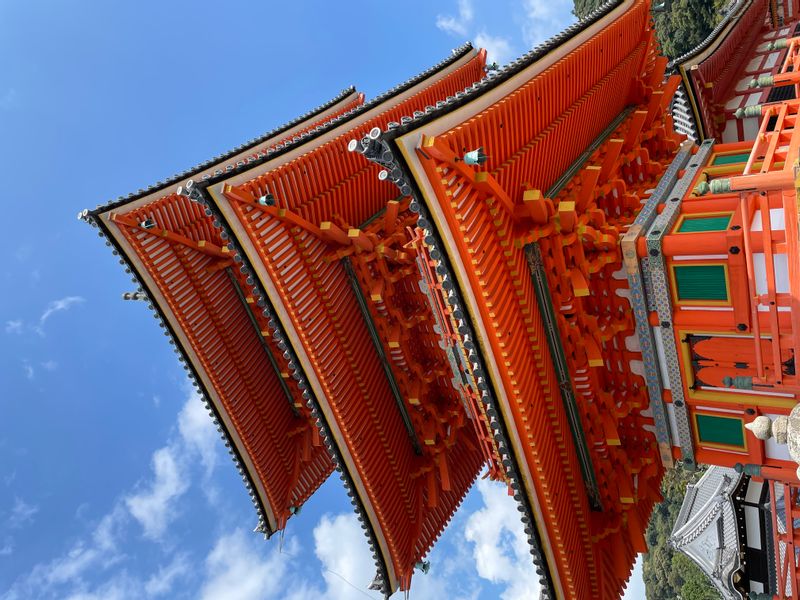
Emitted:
pixel 260 404
pixel 534 123
pixel 181 262
pixel 223 321
pixel 388 399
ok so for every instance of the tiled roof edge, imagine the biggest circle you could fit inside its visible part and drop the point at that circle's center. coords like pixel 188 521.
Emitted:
pixel 192 374
pixel 495 78
pixel 736 9
pixel 277 150
pixel 226 155
pixel 270 153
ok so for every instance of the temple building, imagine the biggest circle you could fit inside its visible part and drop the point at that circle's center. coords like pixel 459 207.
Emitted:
pixel 708 530
pixel 570 273
pixel 724 526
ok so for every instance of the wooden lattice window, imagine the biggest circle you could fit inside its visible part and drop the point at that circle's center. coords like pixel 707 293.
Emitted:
pixel 725 431
pixel 698 283
pixel 697 224
pixel 731 159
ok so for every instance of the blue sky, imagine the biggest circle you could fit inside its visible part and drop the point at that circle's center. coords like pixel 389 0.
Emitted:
pixel 113 482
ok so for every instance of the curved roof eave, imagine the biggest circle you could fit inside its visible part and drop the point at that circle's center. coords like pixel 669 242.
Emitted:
pixel 348 94
pixel 496 78
pixel 263 509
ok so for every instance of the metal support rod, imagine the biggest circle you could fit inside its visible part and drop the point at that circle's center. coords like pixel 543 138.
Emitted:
pixel 264 345
pixel 578 163
pixel 376 341
pixel 539 279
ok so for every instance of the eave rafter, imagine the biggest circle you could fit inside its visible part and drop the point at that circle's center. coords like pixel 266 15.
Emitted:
pixel 381 259
pixel 577 225
pixel 384 268
pixel 306 447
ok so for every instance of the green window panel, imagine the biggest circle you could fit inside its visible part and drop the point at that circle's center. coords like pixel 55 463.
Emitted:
pixel 720 430
pixel 701 282
pixel 729 159
pixel 698 224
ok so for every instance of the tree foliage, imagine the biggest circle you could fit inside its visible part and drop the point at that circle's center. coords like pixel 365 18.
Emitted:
pixel 680 24
pixel 670 575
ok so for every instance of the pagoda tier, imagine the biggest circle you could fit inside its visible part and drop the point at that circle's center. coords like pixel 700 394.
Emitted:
pixel 186 270
pixel 528 271
pixel 528 247
pixel 716 76
pixel 289 407
pixel 337 253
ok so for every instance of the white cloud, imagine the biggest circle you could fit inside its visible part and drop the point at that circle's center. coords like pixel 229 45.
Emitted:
pixel 487 545
pixel 163 581
pixel 78 573
pixel 14 326
pixel 21 513
pixel 23 252
pixel 107 530
pixel 348 568
pixel 236 571
pixel 27 368
pixel 543 19
pixel 49 365
pixel 154 508
pixel 120 587
pixel 92 555
pixel 10 99
pixel 498 49
pixel 197 430
pixel 457 25
pixel 501 548
pixel 452 573
pixel 57 306
pixel 7 549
